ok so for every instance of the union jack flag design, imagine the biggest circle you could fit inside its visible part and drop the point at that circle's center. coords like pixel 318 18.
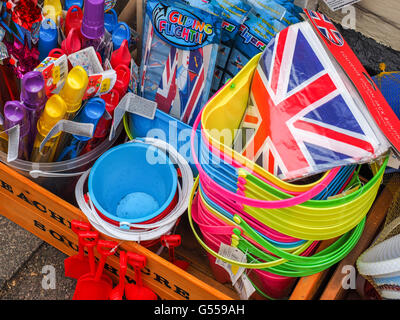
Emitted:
pixel 191 93
pixel 166 91
pixel 326 27
pixel 303 118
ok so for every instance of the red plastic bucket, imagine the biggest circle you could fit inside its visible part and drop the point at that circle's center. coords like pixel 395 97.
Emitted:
pixel 162 215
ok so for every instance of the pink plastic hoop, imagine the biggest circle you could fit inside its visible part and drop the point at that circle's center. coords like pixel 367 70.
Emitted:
pixel 277 204
pixel 267 231
pixel 237 165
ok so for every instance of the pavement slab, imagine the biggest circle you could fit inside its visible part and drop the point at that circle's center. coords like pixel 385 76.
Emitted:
pixel 34 280
pixel 16 247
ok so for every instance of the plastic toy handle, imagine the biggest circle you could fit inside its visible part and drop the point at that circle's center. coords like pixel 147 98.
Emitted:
pixel 123 262
pixel 78 226
pixel 78 8
pixel 106 248
pixel 138 262
pixel 89 240
pixel 123 267
pixel 171 242
pixel 56 53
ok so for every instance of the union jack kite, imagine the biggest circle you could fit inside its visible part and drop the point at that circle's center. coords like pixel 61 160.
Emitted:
pixel 303 117
pixel 166 92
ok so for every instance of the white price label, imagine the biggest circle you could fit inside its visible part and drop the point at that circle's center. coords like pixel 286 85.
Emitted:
pixel 244 287
pixel 234 254
pixel 338 4
pixel 394 162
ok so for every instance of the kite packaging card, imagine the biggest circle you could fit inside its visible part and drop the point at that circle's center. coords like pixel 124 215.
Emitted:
pixel 252 38
pixel 179 53
pixel 305 116
pixel 275 10
pixel 290 6
pixel 234 13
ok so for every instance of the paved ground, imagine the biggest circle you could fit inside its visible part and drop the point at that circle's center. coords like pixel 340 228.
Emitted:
pixel 23 256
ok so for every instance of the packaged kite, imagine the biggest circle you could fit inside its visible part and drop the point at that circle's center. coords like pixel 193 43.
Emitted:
pixel 179 53
pixel 305 116
pixel 275 10
pixel 234 13
pixel 252 38
pixel 290 6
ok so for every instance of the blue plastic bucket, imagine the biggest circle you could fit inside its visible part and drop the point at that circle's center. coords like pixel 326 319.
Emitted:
pixel 132 183
pixel 168 129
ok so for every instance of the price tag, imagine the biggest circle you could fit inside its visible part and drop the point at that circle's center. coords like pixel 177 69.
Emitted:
pixel 55 71
pixel 75 128
pixel 233 254
pixel 134 104
pixel 338 4
pixel 394 162
pixel 244 287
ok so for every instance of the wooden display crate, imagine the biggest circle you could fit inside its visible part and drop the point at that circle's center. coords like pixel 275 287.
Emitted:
pixel 49 217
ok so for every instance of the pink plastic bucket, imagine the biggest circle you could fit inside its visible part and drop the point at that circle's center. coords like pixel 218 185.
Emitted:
pixel 275 286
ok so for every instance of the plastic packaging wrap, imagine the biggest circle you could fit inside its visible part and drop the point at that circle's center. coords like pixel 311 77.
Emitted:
pixel 179 53
pixel 252 39
pixel 234 14
pixel 290 7
pixel 275 10
pixel 262 22
pixel 304 115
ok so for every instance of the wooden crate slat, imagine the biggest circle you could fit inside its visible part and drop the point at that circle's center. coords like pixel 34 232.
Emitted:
pixel 334 289
pixel 375 19
pixel 307 287
pixel 24 202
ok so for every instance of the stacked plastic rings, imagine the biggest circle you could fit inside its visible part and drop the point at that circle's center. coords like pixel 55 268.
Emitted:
pixel 140 183
pixel 275 224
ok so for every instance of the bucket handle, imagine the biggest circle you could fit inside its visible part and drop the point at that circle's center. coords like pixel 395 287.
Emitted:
pixel 161 227
pixel 257 203
pixel 349 245
pixel 39 173
pixel 114 231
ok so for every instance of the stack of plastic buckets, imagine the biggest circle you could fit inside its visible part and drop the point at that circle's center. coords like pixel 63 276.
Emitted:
pixel 275 224
pixel 134 192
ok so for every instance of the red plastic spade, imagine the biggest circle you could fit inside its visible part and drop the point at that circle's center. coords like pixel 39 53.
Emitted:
pixel 138 291
pixel 99 285
pixel 78 265
pixel 90 245
pixel 118 292
pixel 171 242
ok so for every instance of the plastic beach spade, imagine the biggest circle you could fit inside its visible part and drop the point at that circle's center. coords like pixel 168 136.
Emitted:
pixel 118 292
pixel 171 242
pixel 96 286
pixel 78 265
pixel 138 291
